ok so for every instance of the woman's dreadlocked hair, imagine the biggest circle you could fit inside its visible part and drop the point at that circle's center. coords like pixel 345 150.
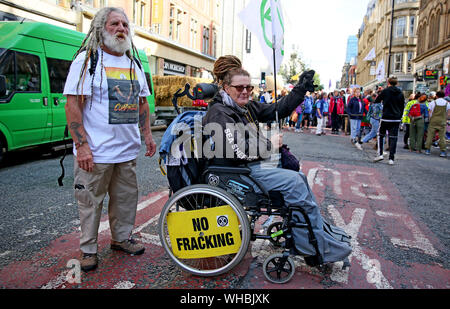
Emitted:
pixel 223 65
pixel 94 40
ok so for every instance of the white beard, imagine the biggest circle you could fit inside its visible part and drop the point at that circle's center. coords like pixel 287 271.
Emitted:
pixel 114 44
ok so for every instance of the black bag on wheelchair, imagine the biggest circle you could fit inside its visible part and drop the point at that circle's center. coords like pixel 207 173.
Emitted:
pixel 332 242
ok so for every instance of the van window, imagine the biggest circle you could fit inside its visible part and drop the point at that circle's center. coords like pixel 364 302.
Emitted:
pixel 57 71
pixel 22 72
pixel 28 72
pixel 7 69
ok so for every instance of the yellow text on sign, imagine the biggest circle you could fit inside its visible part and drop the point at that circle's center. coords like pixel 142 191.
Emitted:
pixel 204 233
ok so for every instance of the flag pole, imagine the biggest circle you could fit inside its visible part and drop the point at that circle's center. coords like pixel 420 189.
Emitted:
pixel 275 82
pixel 272 13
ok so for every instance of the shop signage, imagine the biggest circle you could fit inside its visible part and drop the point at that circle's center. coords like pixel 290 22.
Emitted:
pixel 430 74
pixel 174 67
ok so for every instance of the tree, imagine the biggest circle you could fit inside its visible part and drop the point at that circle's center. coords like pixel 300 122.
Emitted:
pixel 294 67
pixel 317 84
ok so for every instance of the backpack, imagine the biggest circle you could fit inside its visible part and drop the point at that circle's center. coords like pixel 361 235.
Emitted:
pixel 414 111
pixel 183 168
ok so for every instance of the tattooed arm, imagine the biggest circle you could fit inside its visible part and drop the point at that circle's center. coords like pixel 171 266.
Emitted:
pixel 144 124
pixel 74 115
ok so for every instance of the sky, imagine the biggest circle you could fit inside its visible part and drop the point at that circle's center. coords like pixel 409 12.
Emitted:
pixel 320 29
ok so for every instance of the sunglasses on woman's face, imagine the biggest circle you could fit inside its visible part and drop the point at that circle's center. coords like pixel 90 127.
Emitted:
pixel 241 88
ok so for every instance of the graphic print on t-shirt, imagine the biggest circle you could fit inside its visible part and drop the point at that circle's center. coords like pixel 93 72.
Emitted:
pixel 123 99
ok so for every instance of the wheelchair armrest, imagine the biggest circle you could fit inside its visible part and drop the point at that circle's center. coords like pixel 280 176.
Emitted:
pixel 228 169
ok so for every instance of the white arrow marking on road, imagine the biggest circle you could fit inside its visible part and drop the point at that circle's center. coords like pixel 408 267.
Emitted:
pixel 419 242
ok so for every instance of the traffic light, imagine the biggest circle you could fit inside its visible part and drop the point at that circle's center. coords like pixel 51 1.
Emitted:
pixel 263 80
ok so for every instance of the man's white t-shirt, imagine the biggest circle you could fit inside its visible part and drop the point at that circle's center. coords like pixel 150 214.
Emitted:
pixel 438 102
pixel 111 119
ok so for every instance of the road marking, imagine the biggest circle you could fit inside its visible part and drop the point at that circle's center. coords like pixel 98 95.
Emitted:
pixel 375 276
pixel 315 177
pixel 104 225
pixel 125 285
pixel 356 187
pixel 146 237
pixel 61 279
pixel 152 200
pixel 57 282
pixel 5 253
pixel 419 242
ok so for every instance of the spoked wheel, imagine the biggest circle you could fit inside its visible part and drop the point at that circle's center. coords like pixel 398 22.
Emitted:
pixel 204 230
pixel 278 268
pixel 275 230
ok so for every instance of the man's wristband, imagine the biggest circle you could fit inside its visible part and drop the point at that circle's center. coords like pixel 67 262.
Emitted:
pixel 79 144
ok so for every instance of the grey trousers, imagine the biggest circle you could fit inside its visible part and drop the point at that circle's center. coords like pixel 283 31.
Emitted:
pixel 120 182
pixel 296 192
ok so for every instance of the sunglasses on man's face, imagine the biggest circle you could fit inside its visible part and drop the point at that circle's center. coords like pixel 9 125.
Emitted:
pixel 241 88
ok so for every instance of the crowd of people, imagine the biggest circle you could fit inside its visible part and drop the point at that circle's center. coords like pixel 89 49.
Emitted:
pixel 423 117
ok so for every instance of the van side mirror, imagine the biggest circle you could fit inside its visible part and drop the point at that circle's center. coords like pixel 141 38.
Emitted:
pixel 2 85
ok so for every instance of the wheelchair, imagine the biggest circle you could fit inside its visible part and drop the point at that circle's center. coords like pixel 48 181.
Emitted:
pixel 224 187
pixel 206 227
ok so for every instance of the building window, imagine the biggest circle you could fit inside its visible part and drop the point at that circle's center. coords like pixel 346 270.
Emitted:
pixel 142 15
pixel 398 63
pixel 214 43
pixel 171 29
pixel 156 28
pixel 139 12
pixel 412 21
pixel 193 37
pixel 410 64
pixel 399 27
pixel 434 31
pixel 205 42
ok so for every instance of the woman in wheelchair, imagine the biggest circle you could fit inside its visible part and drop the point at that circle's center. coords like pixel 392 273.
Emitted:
pixel 231 106
pixel 232 123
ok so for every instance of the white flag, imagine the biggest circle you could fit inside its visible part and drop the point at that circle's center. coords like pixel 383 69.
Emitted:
pixel 371 55
pixel 380 71
pixel 264 18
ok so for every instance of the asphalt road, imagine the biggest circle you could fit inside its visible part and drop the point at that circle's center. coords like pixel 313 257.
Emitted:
pixel 402 211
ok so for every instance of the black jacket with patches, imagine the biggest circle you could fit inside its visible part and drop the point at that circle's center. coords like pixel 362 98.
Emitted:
pixel 240 136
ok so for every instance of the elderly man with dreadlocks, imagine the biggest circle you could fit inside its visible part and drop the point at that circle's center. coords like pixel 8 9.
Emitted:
pixel 106 94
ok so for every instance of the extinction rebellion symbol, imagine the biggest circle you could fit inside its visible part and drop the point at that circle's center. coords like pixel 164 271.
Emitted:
pixel 222 221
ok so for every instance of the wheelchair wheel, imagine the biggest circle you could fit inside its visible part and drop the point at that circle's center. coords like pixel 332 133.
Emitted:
pixel 276 228
pixel 201 248
pixel 278 268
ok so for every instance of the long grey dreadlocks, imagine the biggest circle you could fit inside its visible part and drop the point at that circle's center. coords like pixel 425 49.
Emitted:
pixel 94 40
